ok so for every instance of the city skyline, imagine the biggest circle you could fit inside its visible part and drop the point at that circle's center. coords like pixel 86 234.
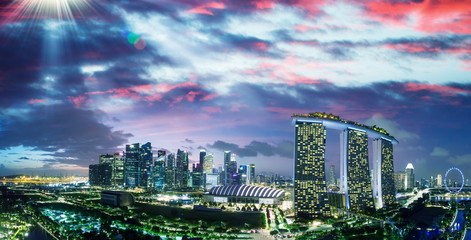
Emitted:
pixel 227 76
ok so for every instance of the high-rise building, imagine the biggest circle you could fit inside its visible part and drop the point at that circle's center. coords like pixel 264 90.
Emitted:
pixel 439 180
pixel 232 170
pixel 208 163
pixel 211 180
pixel 251 174
pixel 146 163
pixel 384 189
pixel 410 182
pixel 100 174
pixel 227 175
pixel 332 177
pixel 399 180
pixel 159 170
pixel 181 170
pixel 355 173
pixel 242 174
pixel 138 165
pixel 131 165
pixel 170 172
pixel 310 190
pixel 202 155
pixel 116 161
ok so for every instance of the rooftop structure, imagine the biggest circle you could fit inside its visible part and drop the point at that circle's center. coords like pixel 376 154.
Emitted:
pixel 331 121
pixel 244 194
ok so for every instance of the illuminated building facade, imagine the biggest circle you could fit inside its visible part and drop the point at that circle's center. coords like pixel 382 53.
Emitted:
pixel 251 174
pixel 145 165
pixel 131 165
pixel 158 171
pixel 182 176
pixel 384 189
pixel 439 180
pixel 170 172
pixel 310 190
pixel 355 170
pixel 410 181
pixel 99 174
pixel 227 161
pixel 116 161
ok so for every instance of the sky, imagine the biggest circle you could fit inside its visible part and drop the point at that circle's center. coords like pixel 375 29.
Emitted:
pixel 80 78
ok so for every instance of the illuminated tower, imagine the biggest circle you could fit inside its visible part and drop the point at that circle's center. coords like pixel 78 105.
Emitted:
pixel 227 161
pixel 355 171
pixel 116 161
pixel 310 190
pixel 208 163
pixel 146 163
pixel 251 174
pixel 170 172
pixel 439 180
pixel 131 165
pixel 159 171
pixel 409 183
pixel 202 155
pixel 181 170
pixel 383 176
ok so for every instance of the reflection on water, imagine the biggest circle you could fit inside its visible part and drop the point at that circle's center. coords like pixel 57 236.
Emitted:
pixel 37 233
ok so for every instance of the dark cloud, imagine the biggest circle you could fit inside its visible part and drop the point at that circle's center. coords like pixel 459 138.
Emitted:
pixel 70 134
pixel 24 158
pixel 188 140
pixel 283 149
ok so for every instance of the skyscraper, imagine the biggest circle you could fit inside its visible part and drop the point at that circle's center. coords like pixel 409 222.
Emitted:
pixel 227 174
pixel 410 182
pixel 383 176
pixel 202 155
pixel 251 174
pixel 208 163
pixel 99 174
pixel 146 163
pixel 116 161
pixel 232 170
pixel 242 174
pixel 158 171
pixel 131 165
pixel 170 172
pixel 310 190
pixel 399 180
pixel 181 170
pixel 439 180
pixel 354 167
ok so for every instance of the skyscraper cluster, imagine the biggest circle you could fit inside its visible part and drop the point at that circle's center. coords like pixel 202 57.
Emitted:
pixel 360 189
pixel 138 167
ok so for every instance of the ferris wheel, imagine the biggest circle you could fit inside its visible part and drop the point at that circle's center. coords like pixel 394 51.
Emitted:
pixel 452 189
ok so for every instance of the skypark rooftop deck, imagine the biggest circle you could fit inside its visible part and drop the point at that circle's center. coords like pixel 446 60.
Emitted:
pixel 331 121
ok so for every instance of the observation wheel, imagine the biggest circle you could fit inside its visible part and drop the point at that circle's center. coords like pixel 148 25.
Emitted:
pixel 454 189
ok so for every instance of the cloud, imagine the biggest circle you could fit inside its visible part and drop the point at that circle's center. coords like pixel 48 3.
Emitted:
pixel 391 127
pixel 463 160
pixel 439 152
pixel 69 134
pixel 24 158
pixel 188 140
pixel 283 149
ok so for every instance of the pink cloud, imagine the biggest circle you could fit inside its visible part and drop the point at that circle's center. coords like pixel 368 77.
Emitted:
pixel 33 101
pixel 302 28
pixel 203 9
pixel 263 4
pixel 78 101
pixel 444 91
pixel 262 46
pixel 433 16
pixel 211 109
pixel 415 47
